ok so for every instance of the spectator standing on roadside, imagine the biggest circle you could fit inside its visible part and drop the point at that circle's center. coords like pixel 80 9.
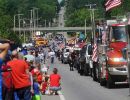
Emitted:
pixel 37 61
pixel 51 55
pixel 44 55
pixel 20 76
pixel 30 57
pixel 71 60
pixel 41 56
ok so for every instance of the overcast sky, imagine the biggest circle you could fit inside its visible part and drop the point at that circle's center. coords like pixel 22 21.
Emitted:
pixel 59 0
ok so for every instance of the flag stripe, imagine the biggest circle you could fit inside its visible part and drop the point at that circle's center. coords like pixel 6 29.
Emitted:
pixel 94 56
pixel 112 3
pixel 103 37
pixel 108 2
pixel 112 6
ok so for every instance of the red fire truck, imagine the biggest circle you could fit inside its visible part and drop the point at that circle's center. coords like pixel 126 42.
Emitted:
pixel 111 66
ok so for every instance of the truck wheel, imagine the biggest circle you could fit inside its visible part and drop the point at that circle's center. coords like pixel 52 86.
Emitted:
pixel 94 72
pixel 87 69
pixel 102 82
pixel 109 84
pixel 97 75
pixel 94 77
pixel 62 61
pixel 81 72
pixel 86 73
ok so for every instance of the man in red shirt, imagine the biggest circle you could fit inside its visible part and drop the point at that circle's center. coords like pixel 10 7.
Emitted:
pixel 55 81
pixel 20 76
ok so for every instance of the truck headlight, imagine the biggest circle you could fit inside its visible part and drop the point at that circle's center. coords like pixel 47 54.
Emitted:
pixel 116 59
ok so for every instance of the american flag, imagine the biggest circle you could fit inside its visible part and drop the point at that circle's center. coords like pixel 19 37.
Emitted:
pixel 94 56
pixel 129 21
pixel 112 3
pixel 103 37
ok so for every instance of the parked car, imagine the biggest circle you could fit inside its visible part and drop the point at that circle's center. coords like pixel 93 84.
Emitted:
pixel 88 57
pixel 65 54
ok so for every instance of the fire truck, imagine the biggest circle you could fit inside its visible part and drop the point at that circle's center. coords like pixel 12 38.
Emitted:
pixel 111 65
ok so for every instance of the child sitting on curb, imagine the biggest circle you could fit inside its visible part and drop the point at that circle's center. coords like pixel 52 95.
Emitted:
pixel 45 86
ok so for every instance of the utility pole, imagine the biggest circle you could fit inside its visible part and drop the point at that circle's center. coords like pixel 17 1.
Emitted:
pixel 19 19
pixel 24 30
pixel 37 17
pixel 45 22
pixel 49 24
pixel 31 23
pixel 34 21
pixel 85 28
pixel 91 7
pixel 14 22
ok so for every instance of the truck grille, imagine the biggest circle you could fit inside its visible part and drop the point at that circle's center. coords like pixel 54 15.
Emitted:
pixel 121 69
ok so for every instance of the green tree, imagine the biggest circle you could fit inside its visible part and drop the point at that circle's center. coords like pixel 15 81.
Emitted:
pixel 8 8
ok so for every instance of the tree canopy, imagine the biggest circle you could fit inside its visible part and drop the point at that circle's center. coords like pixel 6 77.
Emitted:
pixel 47 10
pixel 75 9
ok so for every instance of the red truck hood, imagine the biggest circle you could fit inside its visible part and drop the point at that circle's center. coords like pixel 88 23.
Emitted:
pixel 116 52
pixel 118 45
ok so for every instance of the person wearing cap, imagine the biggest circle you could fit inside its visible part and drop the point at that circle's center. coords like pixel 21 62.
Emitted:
pixel 20 76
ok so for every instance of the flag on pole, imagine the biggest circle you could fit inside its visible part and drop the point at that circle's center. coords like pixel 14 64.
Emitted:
pixel 95 56
pixel 112 4
pixel 129 21
pixel 108 2
pixel 103 37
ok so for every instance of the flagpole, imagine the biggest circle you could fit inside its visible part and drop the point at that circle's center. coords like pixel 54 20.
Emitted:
pixel 85 29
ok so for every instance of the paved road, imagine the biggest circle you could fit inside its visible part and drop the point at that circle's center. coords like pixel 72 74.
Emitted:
pixel 76 87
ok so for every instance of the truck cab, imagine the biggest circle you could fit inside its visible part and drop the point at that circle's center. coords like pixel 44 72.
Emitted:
pixel 113 64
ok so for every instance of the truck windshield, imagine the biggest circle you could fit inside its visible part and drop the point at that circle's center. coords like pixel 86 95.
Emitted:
pixel 119 34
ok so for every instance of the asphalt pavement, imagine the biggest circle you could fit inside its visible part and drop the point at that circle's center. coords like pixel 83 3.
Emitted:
pixel 76 87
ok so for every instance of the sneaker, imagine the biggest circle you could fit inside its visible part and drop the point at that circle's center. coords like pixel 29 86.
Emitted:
pixel 56 93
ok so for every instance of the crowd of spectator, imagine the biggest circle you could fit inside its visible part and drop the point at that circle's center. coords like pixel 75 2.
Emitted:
pixel 25 75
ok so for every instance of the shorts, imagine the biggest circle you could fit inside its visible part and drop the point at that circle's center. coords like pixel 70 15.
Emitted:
pixel 36 97
pixel 54 88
